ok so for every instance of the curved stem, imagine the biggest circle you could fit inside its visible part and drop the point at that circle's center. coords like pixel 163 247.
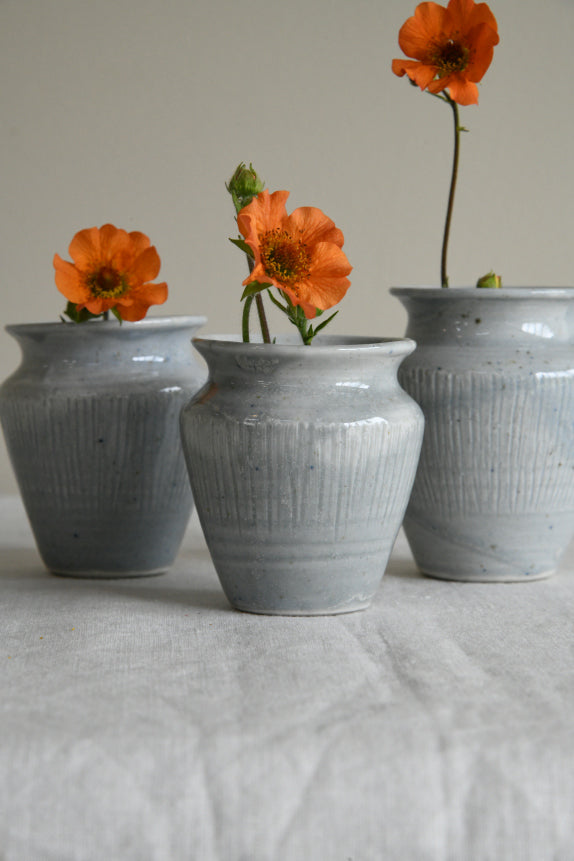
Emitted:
pixel 260 312
pixel 245 319
pixel 262 319
pixel 443 269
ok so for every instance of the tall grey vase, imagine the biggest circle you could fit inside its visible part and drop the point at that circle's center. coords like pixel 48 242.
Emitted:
pixel 91 422
pixel 301 461
pixel 493 371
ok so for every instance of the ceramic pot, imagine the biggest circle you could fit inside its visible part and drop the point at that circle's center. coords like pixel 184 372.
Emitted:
pixel 91 422
pixel 301 461
pixel 493 371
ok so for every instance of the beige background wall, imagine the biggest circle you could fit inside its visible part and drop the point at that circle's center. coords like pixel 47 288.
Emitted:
pixel 137 111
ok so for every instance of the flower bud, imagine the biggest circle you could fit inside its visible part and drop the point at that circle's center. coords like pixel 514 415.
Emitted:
pixel 244 185
pixel 489 280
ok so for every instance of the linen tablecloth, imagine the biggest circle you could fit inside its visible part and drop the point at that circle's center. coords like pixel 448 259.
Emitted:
pixel 146 720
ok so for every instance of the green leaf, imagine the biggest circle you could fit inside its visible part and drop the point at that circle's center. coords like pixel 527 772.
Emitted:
pixel 253 288
pixel 243 246
pixel 79 316
pixel 324 323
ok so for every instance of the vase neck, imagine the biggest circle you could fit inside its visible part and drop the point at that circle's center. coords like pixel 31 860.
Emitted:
pixel 334 365
pixel 62 347
pixel 470 319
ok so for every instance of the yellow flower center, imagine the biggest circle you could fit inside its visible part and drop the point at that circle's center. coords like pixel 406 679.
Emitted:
pixel 450 57
pixel 106 283
pixel 284 257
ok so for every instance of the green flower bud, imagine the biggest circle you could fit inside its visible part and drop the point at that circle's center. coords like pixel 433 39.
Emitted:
pixel 489 280
pixel 244 185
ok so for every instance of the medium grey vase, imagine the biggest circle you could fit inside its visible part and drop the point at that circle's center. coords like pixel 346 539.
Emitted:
pixel 493 371
pixel 301 461
pixel 91 422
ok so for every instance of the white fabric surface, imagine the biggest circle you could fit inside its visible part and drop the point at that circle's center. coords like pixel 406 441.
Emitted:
pixel 146 720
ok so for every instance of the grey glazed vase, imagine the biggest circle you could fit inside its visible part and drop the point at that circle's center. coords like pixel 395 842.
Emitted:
pixel 493 371
pixel 301 461
pixel 91 423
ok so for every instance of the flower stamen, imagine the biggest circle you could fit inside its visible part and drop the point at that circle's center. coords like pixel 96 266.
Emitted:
pixel 284 257
pixel 106 283
pixel 449 57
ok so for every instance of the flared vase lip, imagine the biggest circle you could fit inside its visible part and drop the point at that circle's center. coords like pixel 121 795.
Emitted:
pixel 108 326
pixel 292 346
pixel 501 294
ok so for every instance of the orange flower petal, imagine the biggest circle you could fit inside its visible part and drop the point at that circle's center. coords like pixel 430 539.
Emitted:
pixel 421 74
pixel 460 89
pixel 258 274
pixel 69 281
pixel 112 239
pixel 85 246
pixel 146 266
pixel 139 242
pixel 314 226
pixel 264 213
pixel 309 310
pixel 140 301
pixel 419 31
pixel 483 38
pixel 327 282
pixel 98 305
pixel 462 15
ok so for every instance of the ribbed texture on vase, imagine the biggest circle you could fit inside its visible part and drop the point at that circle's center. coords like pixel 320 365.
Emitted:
pixel 310 500
pixel 493 497
pixel 497 444
pixel 103 479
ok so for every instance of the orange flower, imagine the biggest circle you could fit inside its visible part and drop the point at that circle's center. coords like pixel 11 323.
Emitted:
pixel 111 270
pixel 300 254
pixel 452 48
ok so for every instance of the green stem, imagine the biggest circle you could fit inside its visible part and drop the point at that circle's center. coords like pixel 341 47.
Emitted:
pixel 260 312
pixel 262 319
pixel 245 319
pixel 443 269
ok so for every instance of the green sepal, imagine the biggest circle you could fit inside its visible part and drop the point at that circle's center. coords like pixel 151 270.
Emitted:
pixel 242 244
pixel 276 301
pixel 116 314
pixel 253 288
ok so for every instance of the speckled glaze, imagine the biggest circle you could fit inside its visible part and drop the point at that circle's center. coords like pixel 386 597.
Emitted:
pixel 91 422
pixel 301 461
pixel 493 371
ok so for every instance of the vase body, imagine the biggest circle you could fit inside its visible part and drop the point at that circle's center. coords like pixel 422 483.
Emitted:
pixel 91 423
pixel 493 371
pixel 301 461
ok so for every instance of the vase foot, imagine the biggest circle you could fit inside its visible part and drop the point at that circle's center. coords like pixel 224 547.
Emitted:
pixel 488 548
pixel 328 611
pixel 488 578
pixel 107 575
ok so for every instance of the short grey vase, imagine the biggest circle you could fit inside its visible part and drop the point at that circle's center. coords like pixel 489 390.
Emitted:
pixel 301 461
pixel 493 371
pixel 91 422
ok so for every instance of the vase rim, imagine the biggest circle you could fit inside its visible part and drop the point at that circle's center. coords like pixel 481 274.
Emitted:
pixel 497 294
pixel 323 345
pixel 108 326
